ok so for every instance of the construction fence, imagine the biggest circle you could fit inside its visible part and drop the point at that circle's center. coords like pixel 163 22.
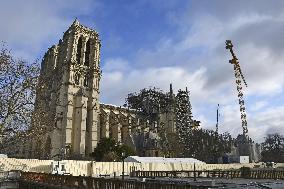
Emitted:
pixel 99 169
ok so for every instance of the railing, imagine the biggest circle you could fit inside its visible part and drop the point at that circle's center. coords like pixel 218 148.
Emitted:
pixel 30 180
pixel 250 174
pixel 3 175
pixel 41 180
pixel 9 175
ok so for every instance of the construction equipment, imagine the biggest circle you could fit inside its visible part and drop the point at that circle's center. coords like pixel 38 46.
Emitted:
pixel 239 78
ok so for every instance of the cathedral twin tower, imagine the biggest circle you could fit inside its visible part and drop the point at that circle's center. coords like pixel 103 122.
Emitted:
pixel 67 106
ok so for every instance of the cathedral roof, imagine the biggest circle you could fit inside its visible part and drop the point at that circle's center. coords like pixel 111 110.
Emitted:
pixel 115 107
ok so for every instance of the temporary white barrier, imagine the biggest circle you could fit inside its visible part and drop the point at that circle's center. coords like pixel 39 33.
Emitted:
pixel 95 169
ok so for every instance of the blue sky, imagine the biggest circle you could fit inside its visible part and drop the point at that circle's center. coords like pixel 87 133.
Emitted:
pixel 155 43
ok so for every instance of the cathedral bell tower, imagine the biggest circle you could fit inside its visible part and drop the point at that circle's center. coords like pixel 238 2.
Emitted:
pixel 74 73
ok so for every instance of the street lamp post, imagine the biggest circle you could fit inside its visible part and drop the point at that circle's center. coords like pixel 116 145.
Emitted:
pixel 194 172
pixel 123 155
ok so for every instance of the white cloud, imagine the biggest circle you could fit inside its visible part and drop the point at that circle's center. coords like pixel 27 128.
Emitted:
pixel 122 83
pixel 259 105
pixel 116 64
pixel 269 120
pixel 31 26
pixel 199 60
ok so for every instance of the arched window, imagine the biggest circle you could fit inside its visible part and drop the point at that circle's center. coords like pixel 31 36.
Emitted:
pixel 86 80
pixel 79 47
pixel 87 54
pixel 77 78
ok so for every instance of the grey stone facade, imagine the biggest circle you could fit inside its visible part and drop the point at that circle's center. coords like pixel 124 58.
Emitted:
pixel 67 105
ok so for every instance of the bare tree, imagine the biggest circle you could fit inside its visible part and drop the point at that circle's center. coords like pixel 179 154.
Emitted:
pixel 18 81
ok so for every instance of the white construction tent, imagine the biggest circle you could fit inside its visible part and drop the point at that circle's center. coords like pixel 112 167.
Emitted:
pixel 138 159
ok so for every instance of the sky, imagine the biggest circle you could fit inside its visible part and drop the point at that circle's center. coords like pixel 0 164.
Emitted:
pixel 157 42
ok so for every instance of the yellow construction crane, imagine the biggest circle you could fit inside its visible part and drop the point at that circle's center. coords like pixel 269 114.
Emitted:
pixel 239 78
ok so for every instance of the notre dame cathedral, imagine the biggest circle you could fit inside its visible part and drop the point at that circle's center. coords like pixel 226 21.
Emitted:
pixel 68 118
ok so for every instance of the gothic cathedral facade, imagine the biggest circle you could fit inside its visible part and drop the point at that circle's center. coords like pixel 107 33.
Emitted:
pixel 69 121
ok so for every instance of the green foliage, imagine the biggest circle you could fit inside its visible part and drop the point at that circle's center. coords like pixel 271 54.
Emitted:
pixel 183 117
pixel 109 150
pixel 207 145
pixel 175 148
pixel 105 146
pixel 127 150
pixel 273 148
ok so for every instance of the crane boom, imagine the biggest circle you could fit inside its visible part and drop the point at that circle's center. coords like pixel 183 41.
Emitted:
pixel 239 78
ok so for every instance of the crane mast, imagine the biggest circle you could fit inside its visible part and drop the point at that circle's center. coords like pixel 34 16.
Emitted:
pixel 239 79
pixel 217 119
